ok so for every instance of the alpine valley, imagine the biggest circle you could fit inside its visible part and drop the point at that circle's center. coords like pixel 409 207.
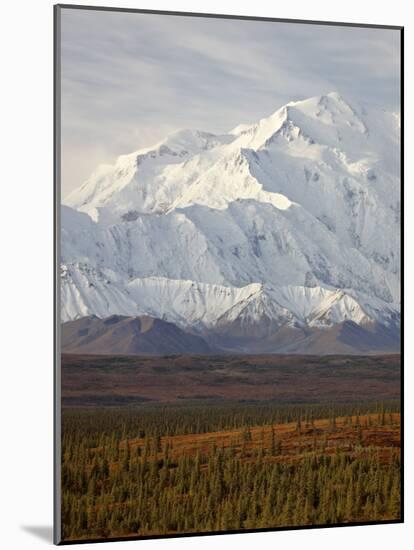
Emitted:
pixel 281 236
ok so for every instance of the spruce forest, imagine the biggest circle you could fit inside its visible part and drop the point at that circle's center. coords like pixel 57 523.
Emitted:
pixel 162 470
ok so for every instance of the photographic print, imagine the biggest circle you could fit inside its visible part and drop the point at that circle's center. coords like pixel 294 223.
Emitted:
pixel 228 274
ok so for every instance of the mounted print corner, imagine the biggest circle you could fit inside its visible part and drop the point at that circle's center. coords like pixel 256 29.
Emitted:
pixel 228 275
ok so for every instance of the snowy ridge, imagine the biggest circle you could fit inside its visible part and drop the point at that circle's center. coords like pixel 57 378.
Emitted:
pixel 200 306
pixel 294 220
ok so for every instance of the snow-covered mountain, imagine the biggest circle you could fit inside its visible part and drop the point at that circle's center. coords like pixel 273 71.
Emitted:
pixel 290 222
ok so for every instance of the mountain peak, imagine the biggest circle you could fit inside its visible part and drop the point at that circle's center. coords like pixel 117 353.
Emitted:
pixel 272 224
pixel 154 179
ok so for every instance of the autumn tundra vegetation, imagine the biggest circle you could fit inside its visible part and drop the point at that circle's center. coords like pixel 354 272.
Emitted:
pixel 161 470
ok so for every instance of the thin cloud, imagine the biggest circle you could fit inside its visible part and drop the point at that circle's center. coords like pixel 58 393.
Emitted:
pixel 129 79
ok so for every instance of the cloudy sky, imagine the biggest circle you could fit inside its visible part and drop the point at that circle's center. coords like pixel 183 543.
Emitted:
pixel 129 79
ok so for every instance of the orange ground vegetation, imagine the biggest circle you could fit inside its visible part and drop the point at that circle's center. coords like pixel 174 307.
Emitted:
pixel 321 436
